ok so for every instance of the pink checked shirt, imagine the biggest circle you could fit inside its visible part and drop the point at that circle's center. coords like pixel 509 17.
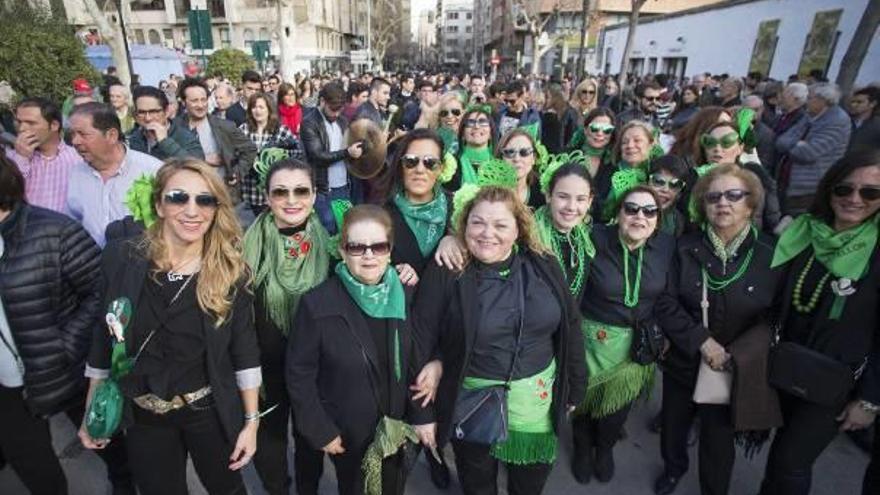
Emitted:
pixel 46 179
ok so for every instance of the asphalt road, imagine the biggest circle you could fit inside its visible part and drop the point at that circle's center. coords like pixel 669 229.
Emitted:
pixel 838 471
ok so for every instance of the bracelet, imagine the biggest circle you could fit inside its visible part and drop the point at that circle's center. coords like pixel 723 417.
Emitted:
pixel 869 407
pixel 252 417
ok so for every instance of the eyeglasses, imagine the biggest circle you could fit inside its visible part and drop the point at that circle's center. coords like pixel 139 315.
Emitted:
pixel 300 192
pixel 726 141
pixel 179 197
pixel 455 111
pixel 378 249
pixel 633 209
pixel 588 91
pixel 149 111
pixel 512 152
pixel 732 195
pixel 658 180
pixel 867 193
pixel 476 123
pixel 413 161
pixel 601 128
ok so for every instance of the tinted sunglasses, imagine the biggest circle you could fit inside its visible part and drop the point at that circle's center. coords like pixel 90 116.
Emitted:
pixel 512 152
pixel 455 111
pixel 660 181
pixel 357 249
pixel 726 141
pixel 476 123
pixel 178 197
pixel 300 192
pixel 867 193
pixel 601 128
pixel 633 209
pixel 732 195
pixel 412 161
pixel 588 91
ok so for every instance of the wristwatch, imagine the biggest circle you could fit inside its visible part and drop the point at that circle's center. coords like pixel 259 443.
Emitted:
pixel 869 407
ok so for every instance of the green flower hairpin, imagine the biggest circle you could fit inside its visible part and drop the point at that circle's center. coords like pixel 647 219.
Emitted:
pixel 139 199
pixel 494 172
pixel 622 182
pixel 554 162
pixel 450 166
pixel 745 127
pixel 265 160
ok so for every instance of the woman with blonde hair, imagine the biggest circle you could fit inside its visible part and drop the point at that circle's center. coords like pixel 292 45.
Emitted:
pixel 586 96
pixel 180 337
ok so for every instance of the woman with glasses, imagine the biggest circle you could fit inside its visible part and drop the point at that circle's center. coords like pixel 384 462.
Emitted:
pixel 687 139
pixel 596 141
pixel 716 313
pixel 449 117
pixel 586 96
pixel 517 148
pixel 830 318
pixel 476 321
pixel 475 137
pixel 667 176
pixel 349 363
pixel 180 315
pixel 287 251
pixel 627 276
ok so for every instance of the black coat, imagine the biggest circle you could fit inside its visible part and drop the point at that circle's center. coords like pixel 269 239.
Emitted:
pixel 317 145
pixel 739 307
pixel 332 370
pixel 230 347
pixel 446 316
pixel 49 287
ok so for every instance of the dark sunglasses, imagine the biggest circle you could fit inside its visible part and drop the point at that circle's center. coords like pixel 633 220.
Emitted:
pixel 651 98
pixel 867 193
pixel 455 111
pixel 476 123
pixel 660 181
pixel 378 249
pixel 726 141
pixel 588 91
pixel 732 195
pixel 178 197
pixel 633 209
pixel 512 152
pixel 300 192
pixel 412 161
pixel 601 128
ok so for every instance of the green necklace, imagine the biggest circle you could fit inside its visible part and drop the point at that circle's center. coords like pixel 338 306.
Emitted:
pixel 797 300
pixel 577 261
pixel 631 293
pixel 717 284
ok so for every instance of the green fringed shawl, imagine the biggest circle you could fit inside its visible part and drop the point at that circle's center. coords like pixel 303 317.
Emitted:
pixel 391 436
pixel 470 157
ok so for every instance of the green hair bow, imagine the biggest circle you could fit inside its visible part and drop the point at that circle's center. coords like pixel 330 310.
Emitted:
pixel 139 199
pixel 265 160
pixel 494 172
pixel 745 127
pixel 621 183
pixel 554 162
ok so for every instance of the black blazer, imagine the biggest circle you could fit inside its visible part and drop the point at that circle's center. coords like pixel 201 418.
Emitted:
pixel 332 370
pixel 229 348
pixel 446 318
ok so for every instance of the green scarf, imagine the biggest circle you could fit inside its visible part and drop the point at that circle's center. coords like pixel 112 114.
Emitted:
pixel 579 240
pixel 391 435
pixel 383 300
pixel 281 277
pixel 426 221
pixel 668 222
pixel 450 140
pixel 723 251
pixel 471 157
pixel 590 151
pixel 845 254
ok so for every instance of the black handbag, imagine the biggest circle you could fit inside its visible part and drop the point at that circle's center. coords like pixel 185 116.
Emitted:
pixel 647 343
pixel 480 415
pixel 810 375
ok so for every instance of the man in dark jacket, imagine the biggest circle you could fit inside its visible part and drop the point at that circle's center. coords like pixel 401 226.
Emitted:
pixel 865 119
pixel 156 134
pixel 648 95
pixel 516 113
pixel 49 304
pixel 376 107
pixel 322 132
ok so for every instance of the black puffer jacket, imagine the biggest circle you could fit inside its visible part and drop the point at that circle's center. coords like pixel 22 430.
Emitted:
pixel 49 285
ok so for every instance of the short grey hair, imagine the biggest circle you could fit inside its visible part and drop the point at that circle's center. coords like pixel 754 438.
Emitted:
pixel 829 92
pixel 753 100
pixel 798 91
pixel 225 87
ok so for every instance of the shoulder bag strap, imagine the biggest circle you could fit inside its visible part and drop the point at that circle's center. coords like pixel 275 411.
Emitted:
pixel 522 318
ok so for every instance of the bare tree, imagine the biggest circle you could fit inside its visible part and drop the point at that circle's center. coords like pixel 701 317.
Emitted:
pixel 111 32
pixel 858 47
pixel 385 26
pixel 288 17
pixel 536 23
pixel 630 37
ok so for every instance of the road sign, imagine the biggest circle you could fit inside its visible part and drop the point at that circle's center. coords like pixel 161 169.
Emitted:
pixel 200 30
pixel 360 56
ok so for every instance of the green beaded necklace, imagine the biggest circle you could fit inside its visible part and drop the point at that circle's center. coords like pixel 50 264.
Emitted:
pixel 631 293
pixel 578 259
pixel 718 284
pixel 797 300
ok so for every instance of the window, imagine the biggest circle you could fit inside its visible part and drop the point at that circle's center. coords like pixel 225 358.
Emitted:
pixel 139 36
pixel 150 5
pixel 225 39
pixel 469 16
pixel 168 37
pixel 248 38
pixel 451 29
pixel 154 37
pixel 217 8
pixel 264 34
pixel 468 29
pixel 452 15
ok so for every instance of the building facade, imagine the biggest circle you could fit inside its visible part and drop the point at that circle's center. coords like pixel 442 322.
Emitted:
pixel 455 33
pixel 426 38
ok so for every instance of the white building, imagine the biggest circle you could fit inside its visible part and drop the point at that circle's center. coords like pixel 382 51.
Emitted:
pixel 741 36
pixel 426 37
pixel 455 29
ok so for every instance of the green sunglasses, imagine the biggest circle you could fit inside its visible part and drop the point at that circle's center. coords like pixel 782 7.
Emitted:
pixel 726 141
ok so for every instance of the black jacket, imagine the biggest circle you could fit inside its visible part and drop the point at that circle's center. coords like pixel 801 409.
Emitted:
pixel 49 286
pixel 236 150
pixel 557 130
pixel 332 370
pixel 317 145
pixel 235 114
pixel 230 347
pixel 732 311
pixel 446 312
pixel 180 143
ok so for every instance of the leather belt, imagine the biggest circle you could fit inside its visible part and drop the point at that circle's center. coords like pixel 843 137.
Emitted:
pixel 157 405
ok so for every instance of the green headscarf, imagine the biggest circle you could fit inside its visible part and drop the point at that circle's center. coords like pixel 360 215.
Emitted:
pixel 468 157
pixel 383 300
pixel 427 221
pixel 285 273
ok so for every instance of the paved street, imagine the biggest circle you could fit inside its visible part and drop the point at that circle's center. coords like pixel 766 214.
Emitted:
pixel 839 471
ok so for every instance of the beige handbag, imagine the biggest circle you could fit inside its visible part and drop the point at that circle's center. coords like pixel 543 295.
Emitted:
pixel 713 387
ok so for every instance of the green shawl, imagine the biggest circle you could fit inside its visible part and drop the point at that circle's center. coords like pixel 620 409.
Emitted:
pixel 426 221
pixel 469 157
pixel 383 300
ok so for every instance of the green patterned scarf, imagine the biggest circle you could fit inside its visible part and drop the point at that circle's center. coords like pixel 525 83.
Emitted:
pixel 383 300
pixel 726 251
pixel 845 254
pixel 469 160
pixel 391 436
pixel 284 273
pixel 426 221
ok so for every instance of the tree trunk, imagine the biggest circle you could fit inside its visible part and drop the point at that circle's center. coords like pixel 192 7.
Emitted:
pixel 539 55
pixel 858 47
pixel 111 34
pixel 581 63
pixel 630 37
pixel 286 37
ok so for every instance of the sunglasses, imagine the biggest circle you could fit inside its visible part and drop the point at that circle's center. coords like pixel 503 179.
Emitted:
pixel 651 98
pixel 588 91
pixel 633 209
pixel 867 193
pixel 732 195
pixel 476 123
pixel 601 128
pixel 300 192
pixel 378 249
pixel 413 161
pixel 455 111
pixel 726 141
pixel 178 197
pixel 658 180
pixel 512 152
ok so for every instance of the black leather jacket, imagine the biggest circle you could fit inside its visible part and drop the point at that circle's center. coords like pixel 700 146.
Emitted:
pixel 317 145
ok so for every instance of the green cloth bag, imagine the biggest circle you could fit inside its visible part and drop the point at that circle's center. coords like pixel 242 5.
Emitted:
pixel 105 410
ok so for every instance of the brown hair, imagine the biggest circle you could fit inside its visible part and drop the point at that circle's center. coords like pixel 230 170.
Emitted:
pixel 283 90
pixel 506 139
pixel 644 126
pixel 687 139
pixel 716 125
pixel 366 213
pixel 272 123
pixel 11 184
pixel 641 188
pixel 751 182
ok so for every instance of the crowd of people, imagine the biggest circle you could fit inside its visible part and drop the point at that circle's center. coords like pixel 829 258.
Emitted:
pixel 375 267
